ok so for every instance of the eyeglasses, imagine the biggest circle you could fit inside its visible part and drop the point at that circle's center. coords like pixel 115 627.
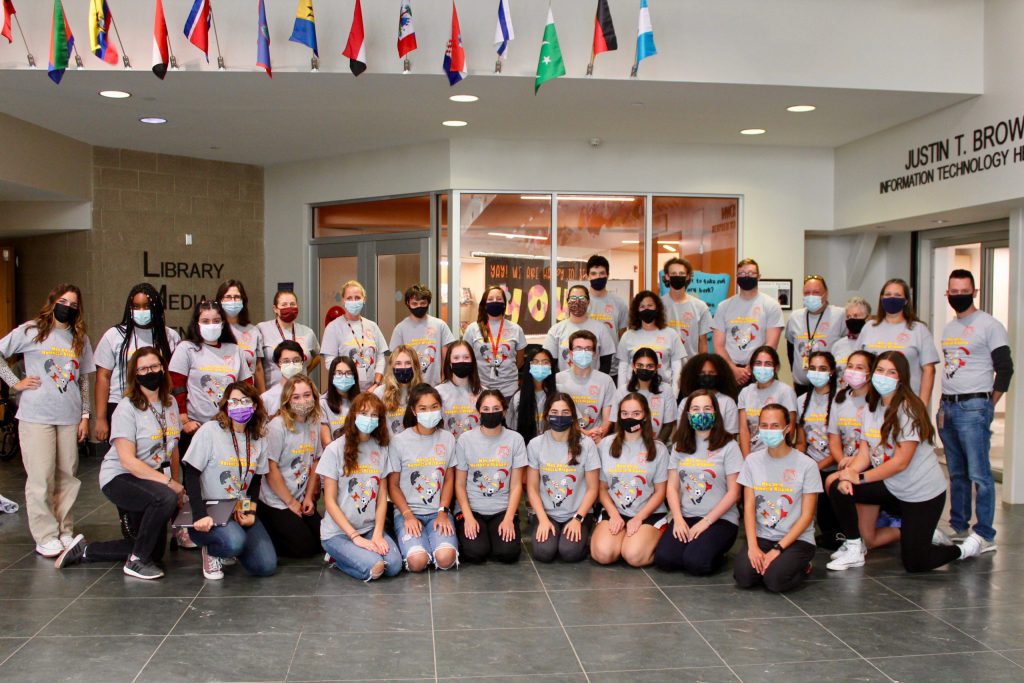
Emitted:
pixel 343 374
pixel 148 370
pixel 68 303
pixel 231 297
pixel 240 403
pixel 578 299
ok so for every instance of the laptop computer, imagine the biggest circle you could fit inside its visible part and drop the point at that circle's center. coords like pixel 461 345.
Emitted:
pixel 220 510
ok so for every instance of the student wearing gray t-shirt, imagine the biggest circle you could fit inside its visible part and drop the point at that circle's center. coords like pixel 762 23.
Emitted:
pixel 497 343
pixel 591 390
pixel 746 321
pixel 428 335
pixel 557 339
pixel 815 327
pixel 765 389
pixel 684 312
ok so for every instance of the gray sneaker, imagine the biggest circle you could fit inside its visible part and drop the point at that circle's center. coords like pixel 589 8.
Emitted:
pixel 72 553
pixel 142 570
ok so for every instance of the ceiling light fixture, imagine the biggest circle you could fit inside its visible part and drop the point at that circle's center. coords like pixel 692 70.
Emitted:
pixel 753 131
pixel 454 124
pixel 940 221
pixel 631 241
pixel 801 108
pixel 464 98
pixel 669 247
pixel 580 198
pixel 115 94
pixel 512 236
pixel 153 120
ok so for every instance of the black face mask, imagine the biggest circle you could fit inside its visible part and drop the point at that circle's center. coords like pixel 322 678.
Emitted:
pixel 559 423
pixel 707 381
pixel 419 311
pixel 630 424
pixel 746 283
pixel 960 302
pixel 678 282
pixel 491 420
pixel 855 325
pixel 462 370
pixel 645 374
pixel 403 375
pixel 65 315
pixel 648 315
pixel 152 381
pixel 599 283
pixel 495 308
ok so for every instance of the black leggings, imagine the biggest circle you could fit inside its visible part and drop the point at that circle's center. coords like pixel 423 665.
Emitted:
pixel 488 544
pixel 828 525
pixel 149 506
pixel 919 522
pixel 785 573
pixel 701 556
pixel 293 536
pixel 557 546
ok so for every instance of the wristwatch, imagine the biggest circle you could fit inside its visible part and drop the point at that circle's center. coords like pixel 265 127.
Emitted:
pixel 444 509
pixel 861 479
pixel 578 517
pixel 778 547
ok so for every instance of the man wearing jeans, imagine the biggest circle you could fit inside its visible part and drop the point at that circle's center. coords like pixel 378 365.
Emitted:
pixel 977 372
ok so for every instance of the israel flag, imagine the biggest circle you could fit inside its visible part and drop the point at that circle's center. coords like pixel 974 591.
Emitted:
pixel 504 32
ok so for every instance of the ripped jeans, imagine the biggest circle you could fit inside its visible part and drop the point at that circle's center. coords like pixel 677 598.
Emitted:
pixel 430 540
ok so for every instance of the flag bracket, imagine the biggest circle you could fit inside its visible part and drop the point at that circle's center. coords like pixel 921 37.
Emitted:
pixel 497 67
pixel 633 73
pixel 127 62
pixel 174 63
pixel 78 61
pixel 407 66
pixel 590 69
pixel 314 63
pixel 220 64
pixel 31 60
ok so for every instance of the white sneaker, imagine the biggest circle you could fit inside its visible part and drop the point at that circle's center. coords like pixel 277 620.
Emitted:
pixel 212 568
pixel 67 540
pixel 51 548
pixel 853 556
pixel 840 552
pixel 939 537
pixel 228 561
pixel 183 540
pixel 971 547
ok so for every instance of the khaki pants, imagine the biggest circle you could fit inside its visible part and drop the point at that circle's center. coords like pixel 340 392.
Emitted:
pixel 50 454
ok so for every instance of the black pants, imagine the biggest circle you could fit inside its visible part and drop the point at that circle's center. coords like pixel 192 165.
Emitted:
pixel 919 521
pixel 701 556
pixel 557 546
pixel 828 525
pixel 110 417
pixel 293 536
pixel 488 544
pixel 184 441
pixel 785 573
pixel 150 506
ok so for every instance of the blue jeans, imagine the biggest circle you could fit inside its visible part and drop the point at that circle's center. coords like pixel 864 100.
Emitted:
pixel 358 562
pixel 967 436
pixel 252 545
pixel 429 541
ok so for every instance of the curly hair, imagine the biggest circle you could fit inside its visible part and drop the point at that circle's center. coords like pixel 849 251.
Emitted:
pixel 361 403
pixel 44 321
pixel 689 380
pixel 634 310
pixel 285 411
pixel 255 428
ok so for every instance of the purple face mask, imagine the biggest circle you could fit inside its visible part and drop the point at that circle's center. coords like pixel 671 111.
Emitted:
pixel 241 415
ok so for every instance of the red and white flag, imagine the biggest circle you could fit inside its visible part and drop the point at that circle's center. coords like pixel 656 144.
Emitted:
pixel 355 49
pixel 161 50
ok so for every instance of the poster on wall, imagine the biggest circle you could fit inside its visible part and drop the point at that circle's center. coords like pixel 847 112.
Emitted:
pixel 527 281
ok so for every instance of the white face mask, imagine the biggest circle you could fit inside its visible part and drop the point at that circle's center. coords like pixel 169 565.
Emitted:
pixel 210 331
pixel 289 370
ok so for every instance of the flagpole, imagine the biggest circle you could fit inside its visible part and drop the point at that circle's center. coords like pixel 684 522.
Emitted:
pixel 220 59
pixel 124 56
pixel 28 52
pixel 78 58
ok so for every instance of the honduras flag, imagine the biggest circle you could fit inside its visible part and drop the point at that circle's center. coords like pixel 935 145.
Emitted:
pixel 645 35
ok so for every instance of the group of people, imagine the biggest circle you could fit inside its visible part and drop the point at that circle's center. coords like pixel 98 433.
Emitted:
pixel 631 435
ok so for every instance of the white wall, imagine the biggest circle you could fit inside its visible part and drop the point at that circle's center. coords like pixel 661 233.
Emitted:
pixel 830 256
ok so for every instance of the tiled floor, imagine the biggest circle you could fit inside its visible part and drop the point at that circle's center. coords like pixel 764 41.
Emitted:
pixel 492 623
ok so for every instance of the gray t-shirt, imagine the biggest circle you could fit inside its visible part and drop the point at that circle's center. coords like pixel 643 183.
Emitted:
pixel 702 478
pixel 271 337
pixel 497 371
pixel 847 421
pixel 272 398
pixel 421 463
pixel 826 327
pixel 690 318
pixel 154 442
pixel 630 477
pixel 250 343
pixel 664 409
pixel 591 394
pixel 361 341
pixel 664 342
pixel 916 344
pixel 395 415
pixel 923 479
pixel 609 310
pixel 108 354
pixel 334 420
pixel 58 400
pixel 842 349
pixel 556 342
pixel 512 414
pixel 815 423
pixel 209 369
pixel 295 451
pixel 358 490
pixel 562 486
pixel 752 399
pixel 967 346
pixel 726 406
pixel 745 323
pixel 428 336
pixel 224 471
pixel 459 406
pixel 779 486
pixel 488 462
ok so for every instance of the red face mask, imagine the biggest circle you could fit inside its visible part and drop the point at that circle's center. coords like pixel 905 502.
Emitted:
pixel 289 314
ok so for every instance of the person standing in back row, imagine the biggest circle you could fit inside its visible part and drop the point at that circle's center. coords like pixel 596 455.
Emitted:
pixel 429 336
pixel 358 338
pixel 976 373
pixel 605 307
pixel 685 313
pixel 497 342
pixel 283 327
pixel 746 321
pixel 815 327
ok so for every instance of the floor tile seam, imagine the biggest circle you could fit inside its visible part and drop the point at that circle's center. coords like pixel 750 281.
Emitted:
pixel 169 632
pixel 806 615
pixel 565 632
pixel 433 630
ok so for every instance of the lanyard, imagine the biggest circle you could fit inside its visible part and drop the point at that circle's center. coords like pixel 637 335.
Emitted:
pixel 242 474
pixel 161 419
pixel 811 333
pixel 495 345
pixel 358 340
pixel 280 331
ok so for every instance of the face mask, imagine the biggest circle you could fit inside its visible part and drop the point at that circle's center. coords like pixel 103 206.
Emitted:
pixel 702 422
pixel 211 332
pixel 812 302
pixel 855 378
pixel 241 415
pixel 462 370
pixel 232 307
pixel 288 315
pixel 152 381
pixel 648 315
pixel 578 308
pixel 582 359
pixel 893 304
pixel 855 325
pixel 491 420
pixel 419 311
pixel 817 378
pixel 430 419
pixel 495 308
pixel 599 283
pixel 645 374
pixel 559 423
pixel 343 383
pixel 142 318
pixel 367 424
pixel 403 375
pixel 884 385
pixel 678 282
pixel 630 424
pixel 707 381
pixel 302 408
pixel 540 372
pixel 64 314
pixel 763 374
pixel 289 370
pixel 772 437
pixel 354 307
pixel 960 302
pixel 746 283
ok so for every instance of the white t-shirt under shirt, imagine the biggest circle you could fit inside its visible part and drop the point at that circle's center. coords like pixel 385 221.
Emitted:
pixel 916 344
pixel 362 341
pixel 250 343
pixel 429 336
pixel 421 463
pixel 58 400
pixel 847 421
pixel 108 354
pixel 752 400
pixel 745 323
pixel 497 371
pixel 923 479
pixel 631 477
pixel 488 462
pixel 562 486
pixel 609 310
pixel 556 342
pixel 967 346
pixel 294 451
pixel 690 318
pixel 591 394
pixel 779 486
pixel 815 423
pixel 358 490
pixel 665 343
pixel 826 327
pixel 209 369
pixel 154 442
pixel 459 406
pixel 663 407
pixel 224 471
pixel 703 478
pixel 271 337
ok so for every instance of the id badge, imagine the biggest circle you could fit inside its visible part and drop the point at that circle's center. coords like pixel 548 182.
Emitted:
pixel 244 506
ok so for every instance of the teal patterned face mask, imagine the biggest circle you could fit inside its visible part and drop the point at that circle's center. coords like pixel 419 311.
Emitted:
pixel 702 422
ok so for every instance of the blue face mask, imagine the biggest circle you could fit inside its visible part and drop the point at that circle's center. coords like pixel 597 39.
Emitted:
pixel 142 318
pixel 817 378
pixel 232 307
pixel 367 424
pixel 812 302
pixel 354 307
pixel 772 437
pixel 763 375
pixel 884 385
pixel 429 419
pixel 582 359
pixel 702 422
pixel 540 372
pixel 343 382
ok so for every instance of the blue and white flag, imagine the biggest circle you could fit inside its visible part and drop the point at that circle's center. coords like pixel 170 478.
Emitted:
pixel 644 36
pixel 503 33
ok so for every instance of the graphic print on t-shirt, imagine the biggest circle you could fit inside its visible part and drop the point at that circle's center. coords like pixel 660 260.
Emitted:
pixel 772 511
pixel 363 491
pixel 698 484
pixel 62 375
pixel 850 432
pixel 806 348
pixel 817 432
pixel 427 485
pixel 461 419
pixel 744 330
pixel 627 491
pixel 881 452
pixel 214 387
pixel 558 490
pixel 487 485
pixel 485 351
pixel 954 353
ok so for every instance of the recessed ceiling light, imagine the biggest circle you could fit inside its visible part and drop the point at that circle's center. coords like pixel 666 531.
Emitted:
pixel 153 119
pixel 753 131
pixel 513 236
pixel 668 247
pixel 454 124
pixel 463 98
pixel 115 94
pixel 939 221
pixel 801 108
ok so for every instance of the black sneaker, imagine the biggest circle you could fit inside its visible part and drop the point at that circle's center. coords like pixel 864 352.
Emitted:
pixel 142 570
pixel 72 554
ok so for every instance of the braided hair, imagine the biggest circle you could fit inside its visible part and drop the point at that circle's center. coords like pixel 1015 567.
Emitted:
pixel 833 381
pixel 127 327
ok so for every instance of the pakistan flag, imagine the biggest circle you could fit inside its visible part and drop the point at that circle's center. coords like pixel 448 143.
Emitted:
pixel 550 64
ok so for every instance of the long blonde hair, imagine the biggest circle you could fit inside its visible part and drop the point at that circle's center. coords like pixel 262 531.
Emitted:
pixel 44 321
pixel 285 411
pixel 392 389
